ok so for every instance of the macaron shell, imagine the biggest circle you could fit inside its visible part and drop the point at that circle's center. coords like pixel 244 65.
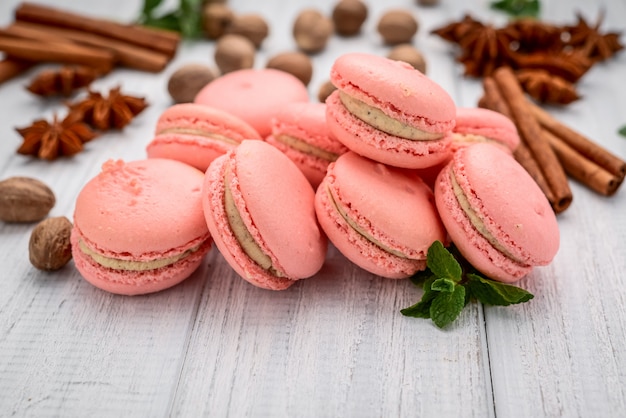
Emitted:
pixel 396 88
pixel 487 123
pixel 377 145
pixel 509 203
pixel 254 95
pixel 123 282
pixel 142 207
pixel 197 150
pixel 275 202
pixel 393 205
pixel 307 123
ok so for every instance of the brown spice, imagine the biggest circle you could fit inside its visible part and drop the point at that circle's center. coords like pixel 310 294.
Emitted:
pixel 547 88
pixel 49 247
pixel 49 140
pixel 113 111
pixel 297 64
pixel 348 16
pixel 25 199
pixel 311 30
pixel 409 54
pixel 62 82
pixel 216 17
pixel 234 52
pixel 252 26
pixel 397 26
pixel 186 81
pixel 325 90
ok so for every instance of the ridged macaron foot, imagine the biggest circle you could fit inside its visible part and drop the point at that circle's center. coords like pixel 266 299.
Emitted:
pixel 197 134
pixel 300 131
pixel 259 208
pixel 382 218
pixel 139 226
pixel 390 112
pixel 495 213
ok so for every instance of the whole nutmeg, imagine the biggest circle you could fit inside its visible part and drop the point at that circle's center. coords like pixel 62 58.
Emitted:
pixel 49 247
pixel 311 30
pixel 409 54
pixel 297 64
pixel 397 26
pixel 348 16
pixel 234 52
pixel 24 199
pixel 252 26
pixel 428 2
pixel 186 82
pixel 216 17
pixel 325 90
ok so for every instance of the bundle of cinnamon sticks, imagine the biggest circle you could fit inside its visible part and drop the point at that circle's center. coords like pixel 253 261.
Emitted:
pixel 550 150
pixel 45 34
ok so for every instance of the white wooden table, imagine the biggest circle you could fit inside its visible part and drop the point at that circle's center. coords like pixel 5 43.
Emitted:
pixel 335 345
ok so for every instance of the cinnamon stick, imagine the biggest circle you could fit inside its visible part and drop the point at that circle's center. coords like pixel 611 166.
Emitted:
pixel 493 100
pixel 126 54
pixel 10 68
pixel 581 169
pixel 580 143
pixel 63 52
pixel 530 132
pixel 156 39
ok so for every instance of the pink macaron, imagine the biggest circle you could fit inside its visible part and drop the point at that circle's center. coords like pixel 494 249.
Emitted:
pixel 300 131
pixel 259 208
pixel 197 134
pixel 254 95
pixel 139 226
pixel 390 112
pixel 380 217
pixel 495 213
pixel 476 124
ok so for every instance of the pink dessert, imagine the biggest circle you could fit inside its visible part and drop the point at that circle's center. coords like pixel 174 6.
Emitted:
pixel 259 208
pixel 390 112
pixel 300 131
pixel 254 96
pixel 475 124
pixel 139 226
pixel 495 213
pixel 197 134
pixel 382 218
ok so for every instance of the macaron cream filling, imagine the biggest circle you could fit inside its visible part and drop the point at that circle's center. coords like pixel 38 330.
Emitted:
pixel 198 132
pixel 305 147
pixel 241 233
pixel 359 229
pixel 475 220
pixel 379 120
pixel 130 265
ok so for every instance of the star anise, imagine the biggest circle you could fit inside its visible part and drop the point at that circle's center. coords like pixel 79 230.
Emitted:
pixel 596 45
pixel 62 82
pixel 48 140
pixel 528 35
pixel 114 111
pixel 547 88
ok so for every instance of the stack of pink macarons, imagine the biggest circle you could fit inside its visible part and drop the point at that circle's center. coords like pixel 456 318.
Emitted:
pixel 272 185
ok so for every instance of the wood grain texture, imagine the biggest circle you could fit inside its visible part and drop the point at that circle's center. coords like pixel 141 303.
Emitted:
pixel 334 345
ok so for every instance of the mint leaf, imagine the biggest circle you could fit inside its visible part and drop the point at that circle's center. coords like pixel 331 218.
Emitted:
pixel 622 131
pixel 149 6
pixel 422 308
pixel 447 306
pixel 491 292
pixel 442 263
pixel 443 285
pixel 517 8
pixel 421 276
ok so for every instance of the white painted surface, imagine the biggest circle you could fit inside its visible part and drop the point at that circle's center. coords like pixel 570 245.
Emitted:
pixel 334 345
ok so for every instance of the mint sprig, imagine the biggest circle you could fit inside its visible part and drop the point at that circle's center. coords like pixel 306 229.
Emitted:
pixel 517 8
pixel 186 18
pixel 622 131
pixel 448 289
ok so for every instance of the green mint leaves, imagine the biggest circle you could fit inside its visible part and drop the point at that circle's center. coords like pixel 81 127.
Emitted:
pixel 517 8
pixel 186 19
pixel 447 290
pixel 622 131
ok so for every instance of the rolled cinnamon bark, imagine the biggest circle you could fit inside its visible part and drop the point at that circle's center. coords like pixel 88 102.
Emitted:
pixel 530 133
pixel 580 143
pixel 10 68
